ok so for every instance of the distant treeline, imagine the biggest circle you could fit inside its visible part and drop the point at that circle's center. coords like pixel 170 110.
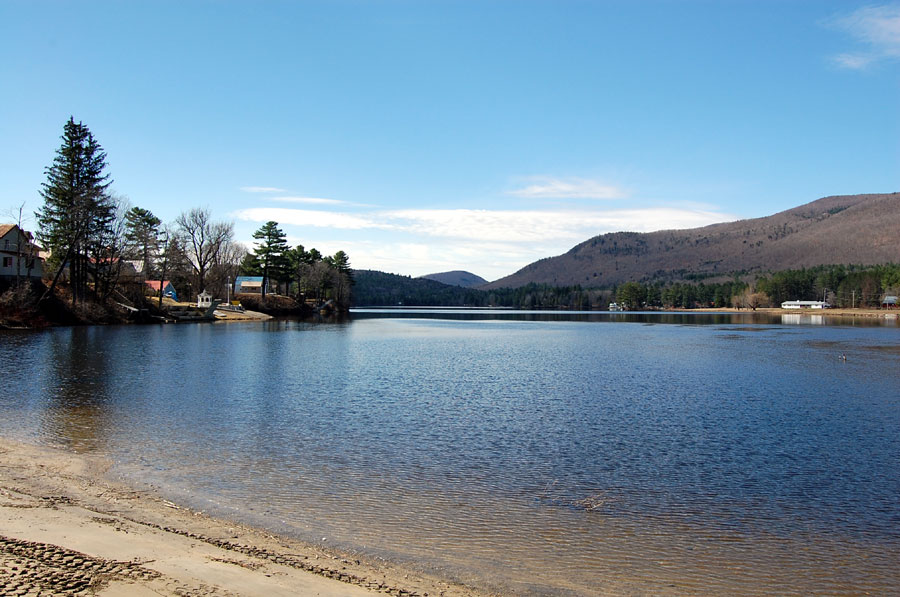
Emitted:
pixel 378 289
pixel 841 285
pixel 681 295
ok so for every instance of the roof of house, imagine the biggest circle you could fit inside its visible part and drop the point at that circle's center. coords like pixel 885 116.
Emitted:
pixel 7 228
pixel 154 284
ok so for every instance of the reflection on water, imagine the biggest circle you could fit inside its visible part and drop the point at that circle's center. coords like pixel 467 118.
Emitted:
pixel 75 386
pixel 798 319
pixel 551 453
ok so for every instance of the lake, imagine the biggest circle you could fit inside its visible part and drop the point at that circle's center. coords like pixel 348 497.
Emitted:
pixel 526 453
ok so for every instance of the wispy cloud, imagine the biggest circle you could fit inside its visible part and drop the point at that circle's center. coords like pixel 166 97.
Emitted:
pixel 569 188
pixel 262 190
pixel 878 28
pixel 308 200
pixel 496 226
pixel 309 217
pixel 853 61
pixel 491 243
pixel 555 226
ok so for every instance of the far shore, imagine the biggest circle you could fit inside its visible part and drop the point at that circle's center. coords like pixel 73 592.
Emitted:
pixel 67 528
pixel 832 312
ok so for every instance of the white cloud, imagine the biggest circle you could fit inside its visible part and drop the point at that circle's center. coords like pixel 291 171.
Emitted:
pixel 490 243
pixel 544 225
pixel 308 217
pixel 490 261
pixel 570 188
pixel 853 61
pixel 878 27
pixel 262 190
pixel 501 226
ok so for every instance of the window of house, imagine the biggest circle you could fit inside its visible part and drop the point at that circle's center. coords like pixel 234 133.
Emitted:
pixel 7 262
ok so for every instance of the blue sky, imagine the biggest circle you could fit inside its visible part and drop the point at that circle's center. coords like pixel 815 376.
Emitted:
pixel 424 136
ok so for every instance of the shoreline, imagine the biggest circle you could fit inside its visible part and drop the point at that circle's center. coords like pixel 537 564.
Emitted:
pixel 832 313
pixel 67 528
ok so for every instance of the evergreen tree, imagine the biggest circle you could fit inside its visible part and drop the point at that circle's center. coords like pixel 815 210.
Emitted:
pixel 142 232
pixel 250 266
pixel 298 262
pixel 632 295
pixel 341 263
pixel 271 252
pixel 78 214
pixel 343 282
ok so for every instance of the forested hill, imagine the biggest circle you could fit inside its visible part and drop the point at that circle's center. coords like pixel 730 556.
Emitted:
pixel 373 288
pixel 457 278
pixel 378 289
pixel 849 229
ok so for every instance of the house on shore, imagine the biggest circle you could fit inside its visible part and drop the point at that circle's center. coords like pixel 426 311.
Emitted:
pixel 889 302
pixel 249 285
pixel 168 289
pixel 805 305
pixel 19 256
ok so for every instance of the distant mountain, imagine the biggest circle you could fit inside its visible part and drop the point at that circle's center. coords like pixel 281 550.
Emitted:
pixel 850 229
pixel 457 278
pixel 373 288
pixel 379 289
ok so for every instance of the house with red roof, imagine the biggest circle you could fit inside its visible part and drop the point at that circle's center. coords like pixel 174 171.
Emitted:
pixel 168 289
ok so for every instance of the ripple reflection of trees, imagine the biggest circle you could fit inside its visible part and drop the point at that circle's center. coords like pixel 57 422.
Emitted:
pixel 78 405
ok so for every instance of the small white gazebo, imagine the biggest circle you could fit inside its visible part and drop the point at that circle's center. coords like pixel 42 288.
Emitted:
pixel 204 300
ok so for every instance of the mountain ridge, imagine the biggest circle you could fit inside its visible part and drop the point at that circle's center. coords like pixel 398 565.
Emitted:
pixel 858 229
pixel 457 278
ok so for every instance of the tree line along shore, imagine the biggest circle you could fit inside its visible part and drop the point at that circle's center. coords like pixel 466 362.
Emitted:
pixel 841 286
pixel 94 258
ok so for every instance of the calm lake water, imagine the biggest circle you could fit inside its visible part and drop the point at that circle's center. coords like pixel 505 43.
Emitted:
pixel 544 454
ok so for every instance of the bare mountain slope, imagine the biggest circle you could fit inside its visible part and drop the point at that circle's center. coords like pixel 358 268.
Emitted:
pixel 858 229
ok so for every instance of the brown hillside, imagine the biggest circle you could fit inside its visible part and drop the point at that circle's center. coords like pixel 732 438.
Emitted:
pixel 857 229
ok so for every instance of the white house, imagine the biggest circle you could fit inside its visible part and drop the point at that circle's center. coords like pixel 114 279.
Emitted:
pixel 18 254
pixel 805 305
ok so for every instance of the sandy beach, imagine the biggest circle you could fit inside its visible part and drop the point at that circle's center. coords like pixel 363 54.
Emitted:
pixel 68 529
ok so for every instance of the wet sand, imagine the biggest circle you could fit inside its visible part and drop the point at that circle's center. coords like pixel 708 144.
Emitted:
pixel 68 529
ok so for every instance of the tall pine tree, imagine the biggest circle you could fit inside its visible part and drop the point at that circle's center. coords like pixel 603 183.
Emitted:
pixel 142 232
pixel 271 252
pixel 78 214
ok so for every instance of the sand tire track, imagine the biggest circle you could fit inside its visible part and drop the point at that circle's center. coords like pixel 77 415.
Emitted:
pixel 31 568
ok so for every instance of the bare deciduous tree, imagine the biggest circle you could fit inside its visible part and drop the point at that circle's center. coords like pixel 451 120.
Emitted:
pixel 750 299
pixel 225 268
pixel 203 241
